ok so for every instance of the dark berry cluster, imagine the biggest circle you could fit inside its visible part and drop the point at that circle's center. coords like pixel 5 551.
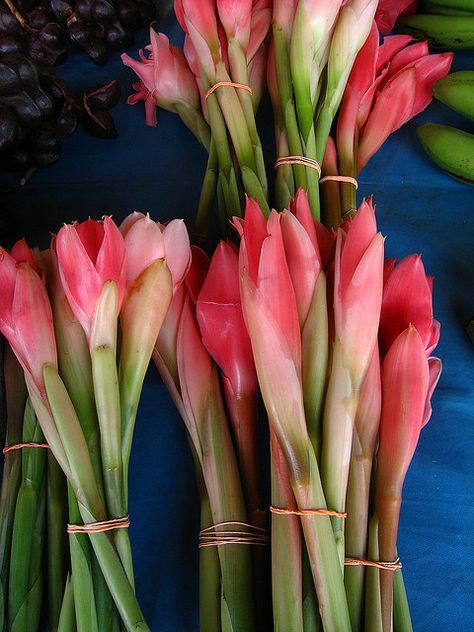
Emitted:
pixel 46 29
pixel 37 111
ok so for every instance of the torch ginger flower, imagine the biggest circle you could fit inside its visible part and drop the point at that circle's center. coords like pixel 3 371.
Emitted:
pixel 389 84
pixel 25 315
pixel 408 334
pixel 271 315
pixel 89 255
pixel 165 78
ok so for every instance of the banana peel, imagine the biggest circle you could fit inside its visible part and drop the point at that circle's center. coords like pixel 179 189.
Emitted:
pixel 457 92
pixel 443 32
pixel 450 148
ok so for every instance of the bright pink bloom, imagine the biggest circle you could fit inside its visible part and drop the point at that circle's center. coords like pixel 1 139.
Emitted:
pixel 388 85
pixel 25 317
pixel 321 238
pixel 260 22
pixel 358 280
pixel 389 10
pixel 271 316
pixel 146 241
pixel 219 313
pixel 262 255
pixel 406 387
pixel 304 262
pixel 408 300
pixel 89 255
pixel 200 23
pixel 165 78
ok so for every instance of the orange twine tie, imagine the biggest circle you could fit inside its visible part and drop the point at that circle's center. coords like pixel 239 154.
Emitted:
pixel 299 160
pixel 101 526
pixel 307 512
pixel 20 446
pixel 213 536
pixel 348 179
pixel 229 84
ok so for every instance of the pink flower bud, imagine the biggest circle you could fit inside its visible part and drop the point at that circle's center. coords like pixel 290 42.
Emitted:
pixel 25 317
pixel 89 255
pixel 219 313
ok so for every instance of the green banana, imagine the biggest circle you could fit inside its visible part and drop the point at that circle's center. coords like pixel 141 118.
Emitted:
pixel 457 92
pixel 450 148
pixel 448 7
pixel 443 32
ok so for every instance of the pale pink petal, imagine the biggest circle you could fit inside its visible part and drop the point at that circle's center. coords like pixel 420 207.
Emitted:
pixel 129 221
pixel 177 249
pixel 144 244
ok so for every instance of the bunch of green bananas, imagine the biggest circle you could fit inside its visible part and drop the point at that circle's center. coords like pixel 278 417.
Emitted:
pixel 450 148
pixel 446 24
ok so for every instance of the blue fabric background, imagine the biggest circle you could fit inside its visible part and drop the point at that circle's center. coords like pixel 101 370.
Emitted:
pixel 419 209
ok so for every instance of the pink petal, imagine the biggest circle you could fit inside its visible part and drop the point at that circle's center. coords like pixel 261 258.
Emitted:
pixel 8 273
pixel 362 230
pixel 144 244
pixel 111 261
pixel 278 375
pixel 406 57
pixel 91 234
pixel 357 310
pixel 79 277
pixel 435 368
pixel 390 47
pixel 34 339
pixel 407 299
pixel 303 262
pixel 392 108
pixel 129 221
pixel 197 272
pixel 274 284
pixel 177 249
pixel 255 231
pixel 144 70
pixel 219 313
pixel 300 208
pixel 405 384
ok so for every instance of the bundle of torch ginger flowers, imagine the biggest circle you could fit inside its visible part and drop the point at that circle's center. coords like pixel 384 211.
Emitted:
pixel 337 342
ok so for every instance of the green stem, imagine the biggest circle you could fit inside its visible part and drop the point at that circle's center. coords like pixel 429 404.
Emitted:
pixel 401 610
pixel 222 481
pixel 202 225
pixel 209 569
pixel 15 396
pixel 239 71
pixel 67 617
pixel 234 204
pixel 356 535
pixel 57 553
pixel 373 608
pixel 285 549
pixel 91 507
pixel 285 90
pixel 83 586
pixel 196 123
pixel 28 532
